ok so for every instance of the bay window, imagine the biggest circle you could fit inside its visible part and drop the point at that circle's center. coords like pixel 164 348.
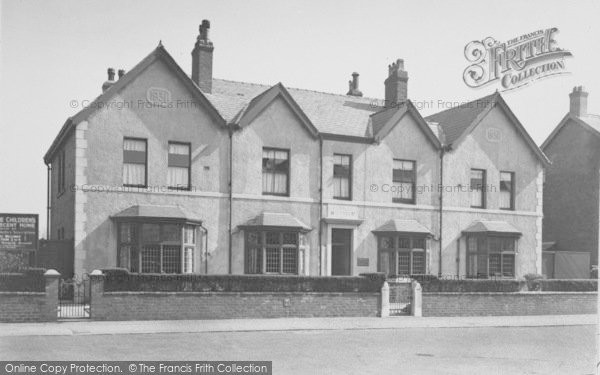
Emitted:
pixel 491 256
pixel 402 255
pixel 273 252
pixel 155 247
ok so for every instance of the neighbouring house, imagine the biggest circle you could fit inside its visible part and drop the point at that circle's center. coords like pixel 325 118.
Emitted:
pixel 572 191
pixel 167 173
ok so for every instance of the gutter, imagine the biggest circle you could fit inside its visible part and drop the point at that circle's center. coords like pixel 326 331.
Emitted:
pixel 443 151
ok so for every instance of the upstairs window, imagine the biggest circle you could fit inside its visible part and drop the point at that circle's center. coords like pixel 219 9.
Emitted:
pixel 404 180
pixel 275 171
pixel 135 161
pixel 478 188
pixel 342 176
pixel 507 190
pixel 178 175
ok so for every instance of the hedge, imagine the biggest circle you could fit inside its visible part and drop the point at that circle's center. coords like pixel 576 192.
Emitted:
pixel 28 280
pixel 474 285
pixel 121 280
pixel 561 285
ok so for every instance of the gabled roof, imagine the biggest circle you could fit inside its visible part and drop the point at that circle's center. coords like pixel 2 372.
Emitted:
pixel 276 220
pixel 404 226
pixel 384 121
pixel 261 101
pixel 455 121
pixel 588 122
pixel 159 53
pixel 492 227
pixel 458 122
pixel 329 113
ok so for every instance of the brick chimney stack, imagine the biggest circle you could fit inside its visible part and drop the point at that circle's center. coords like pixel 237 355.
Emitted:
pixel 202 59
pixel 578 101
pixel 396 84
pixel 111 79
pixel 353 86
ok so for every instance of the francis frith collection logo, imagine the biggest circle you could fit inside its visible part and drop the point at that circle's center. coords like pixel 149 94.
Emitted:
pixel 516 62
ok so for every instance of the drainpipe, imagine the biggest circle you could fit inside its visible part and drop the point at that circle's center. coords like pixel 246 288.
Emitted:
pixel 441 211
pixel 320 204
pixel 230 199
pixel 48 198
pixel 205 249
pixel 443 151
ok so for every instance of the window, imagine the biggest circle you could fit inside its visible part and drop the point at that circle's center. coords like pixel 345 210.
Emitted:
pixel 135 162
pixel 272 252
pixel 60 173
pixel 491 256
pixel 478 188
pixel 275 172
pixel 507 191
pixel 157 247
pixel 342 176
pixel 178 175
pixel 404 179
pixel 401 255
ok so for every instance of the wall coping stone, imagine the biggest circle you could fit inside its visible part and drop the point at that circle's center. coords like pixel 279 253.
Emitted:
pixel 533 293
pixel 8 293
pixel 127 293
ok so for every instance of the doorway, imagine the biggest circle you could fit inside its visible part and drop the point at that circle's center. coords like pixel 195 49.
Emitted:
pixel 341 251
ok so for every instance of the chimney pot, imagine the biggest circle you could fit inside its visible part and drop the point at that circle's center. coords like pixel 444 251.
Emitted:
pixel 353 86
pixel 578 101
pixel 121 73
pixel 110 81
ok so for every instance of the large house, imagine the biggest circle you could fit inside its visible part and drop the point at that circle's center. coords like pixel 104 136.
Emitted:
pixel 572 191
pixel 170 173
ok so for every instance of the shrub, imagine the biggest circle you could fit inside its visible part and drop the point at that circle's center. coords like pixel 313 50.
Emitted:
pixel 121 280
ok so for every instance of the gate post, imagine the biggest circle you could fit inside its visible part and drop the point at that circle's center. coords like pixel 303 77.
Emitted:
pixel 385 300
pixel 416 307
pixel 96 291
pixel 51 277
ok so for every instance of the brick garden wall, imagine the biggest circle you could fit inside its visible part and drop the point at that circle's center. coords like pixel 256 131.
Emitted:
pixel 211 305
pixel 31 306
pixel 489 304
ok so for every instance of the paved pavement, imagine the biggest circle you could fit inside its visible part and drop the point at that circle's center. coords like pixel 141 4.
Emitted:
pixel 474 350
pixel 86 327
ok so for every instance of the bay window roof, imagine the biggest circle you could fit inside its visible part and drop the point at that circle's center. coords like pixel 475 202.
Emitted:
pixel 276 220
pixel 404 226
pixel 155 213
pixel 492 227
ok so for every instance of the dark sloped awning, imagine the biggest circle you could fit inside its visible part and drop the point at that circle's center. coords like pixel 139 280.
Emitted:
pixel 155 213
pixel 492 227
pixel 276 220
pixel 404 226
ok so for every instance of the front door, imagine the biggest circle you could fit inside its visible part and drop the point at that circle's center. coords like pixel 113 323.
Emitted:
pixel 341 251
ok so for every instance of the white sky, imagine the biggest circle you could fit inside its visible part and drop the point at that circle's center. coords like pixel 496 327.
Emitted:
pixel 54 52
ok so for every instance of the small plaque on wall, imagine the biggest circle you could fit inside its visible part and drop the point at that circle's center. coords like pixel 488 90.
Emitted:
pixel 362 262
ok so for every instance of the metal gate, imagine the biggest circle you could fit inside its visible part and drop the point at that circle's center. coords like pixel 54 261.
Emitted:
pixel 400 297
pixel 74 297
